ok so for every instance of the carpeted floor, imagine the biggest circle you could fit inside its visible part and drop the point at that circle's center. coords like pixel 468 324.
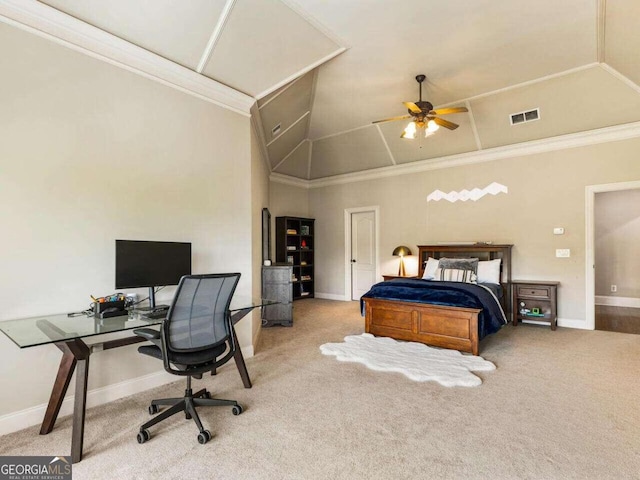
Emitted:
pixel 561 405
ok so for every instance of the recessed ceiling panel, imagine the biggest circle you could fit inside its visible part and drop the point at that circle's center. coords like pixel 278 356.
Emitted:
pixel 173 29
pixel 584 100
pixel 297 164
pixel 465 48
pixel 287 107
pixel 263 43
pixel 350 152
pixel 442 143
pixel 622 37
pixel 287 141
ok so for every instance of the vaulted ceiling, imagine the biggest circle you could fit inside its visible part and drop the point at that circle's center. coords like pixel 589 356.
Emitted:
pixel 321 71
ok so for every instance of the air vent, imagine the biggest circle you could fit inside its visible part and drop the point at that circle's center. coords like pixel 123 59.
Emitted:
pixel 276 130
pixel 524 117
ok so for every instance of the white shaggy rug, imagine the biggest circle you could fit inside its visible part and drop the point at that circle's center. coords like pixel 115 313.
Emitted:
pixel 417 361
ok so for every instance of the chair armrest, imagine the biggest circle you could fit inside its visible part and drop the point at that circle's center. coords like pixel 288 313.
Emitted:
pixel 147 333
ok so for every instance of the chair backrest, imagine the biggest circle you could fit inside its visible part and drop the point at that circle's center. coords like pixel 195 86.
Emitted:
pixel 199 316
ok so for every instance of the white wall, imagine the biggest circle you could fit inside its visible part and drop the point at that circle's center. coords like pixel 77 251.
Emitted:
pixel 545 191
pixel 90 153
pixel 259 200
pixel 617 243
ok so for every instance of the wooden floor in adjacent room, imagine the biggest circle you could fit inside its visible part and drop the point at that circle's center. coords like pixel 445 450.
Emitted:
pixel 618 319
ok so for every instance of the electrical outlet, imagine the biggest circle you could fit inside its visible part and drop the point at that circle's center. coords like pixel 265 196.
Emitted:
pixel 558 231
pixel 563 252
pixel 614 288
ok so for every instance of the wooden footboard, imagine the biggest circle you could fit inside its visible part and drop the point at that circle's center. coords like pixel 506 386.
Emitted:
pixel 437 325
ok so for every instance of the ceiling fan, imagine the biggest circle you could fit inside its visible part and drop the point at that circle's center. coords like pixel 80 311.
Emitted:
pixel 424 117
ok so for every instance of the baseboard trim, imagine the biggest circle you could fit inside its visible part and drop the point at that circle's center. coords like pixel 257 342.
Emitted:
pixel 331 296
pixel 12 422
pixel 580 324
pixel 618 301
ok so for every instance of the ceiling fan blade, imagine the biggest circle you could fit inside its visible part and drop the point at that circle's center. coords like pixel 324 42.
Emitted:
pixel 447 111
pixel 445 123
pixel 413 107
pixel 392 119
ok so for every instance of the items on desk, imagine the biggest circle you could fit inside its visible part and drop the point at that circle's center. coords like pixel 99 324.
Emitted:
pixel 109 306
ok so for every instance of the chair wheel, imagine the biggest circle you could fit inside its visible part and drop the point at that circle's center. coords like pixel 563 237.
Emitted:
pixel 237 409
pixel 204 437
pixel 143 436
pixel 187 415
pixel 207 395
pixel 153 409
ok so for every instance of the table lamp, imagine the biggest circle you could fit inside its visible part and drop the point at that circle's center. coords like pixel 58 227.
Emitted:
pixel 401 251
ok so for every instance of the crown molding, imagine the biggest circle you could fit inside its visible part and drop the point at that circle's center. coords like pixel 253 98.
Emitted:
pixel 288 180
pixel 562 142
pixel 52 24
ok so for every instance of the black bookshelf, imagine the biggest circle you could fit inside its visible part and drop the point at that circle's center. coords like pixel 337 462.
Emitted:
pixel 295 246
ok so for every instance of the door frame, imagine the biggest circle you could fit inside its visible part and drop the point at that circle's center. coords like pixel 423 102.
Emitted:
pixel 347 244
pixel 590 261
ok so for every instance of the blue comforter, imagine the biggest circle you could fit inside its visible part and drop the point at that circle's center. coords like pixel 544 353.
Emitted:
pixel 456 294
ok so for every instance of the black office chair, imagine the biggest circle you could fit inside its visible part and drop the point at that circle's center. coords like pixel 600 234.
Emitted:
pixel 196 337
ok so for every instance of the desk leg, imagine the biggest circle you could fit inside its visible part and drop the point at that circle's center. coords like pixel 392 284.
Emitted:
pixel 79 408
pixel 75 353
pixel 59 390
pixel 242 368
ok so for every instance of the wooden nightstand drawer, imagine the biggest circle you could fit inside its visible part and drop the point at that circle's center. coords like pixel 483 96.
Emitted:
pixel 534 291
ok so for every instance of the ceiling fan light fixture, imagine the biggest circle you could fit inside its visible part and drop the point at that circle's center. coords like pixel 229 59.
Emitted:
pixel 432 126
pixel 409 131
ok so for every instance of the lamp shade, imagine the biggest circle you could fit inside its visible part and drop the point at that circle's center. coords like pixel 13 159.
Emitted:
pixel 401 251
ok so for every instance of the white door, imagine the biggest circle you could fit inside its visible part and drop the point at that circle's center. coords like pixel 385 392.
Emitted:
pixel 363 253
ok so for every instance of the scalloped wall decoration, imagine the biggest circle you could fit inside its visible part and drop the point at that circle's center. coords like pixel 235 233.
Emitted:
pixel 464 195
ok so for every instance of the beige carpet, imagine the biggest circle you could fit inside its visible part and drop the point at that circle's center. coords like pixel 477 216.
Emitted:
pixel 561 405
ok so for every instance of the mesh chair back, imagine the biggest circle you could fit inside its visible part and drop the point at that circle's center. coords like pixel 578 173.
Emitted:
pixel 198 318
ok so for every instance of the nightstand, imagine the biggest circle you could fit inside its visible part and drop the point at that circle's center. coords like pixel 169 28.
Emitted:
pixel 391 277
pixel 536 301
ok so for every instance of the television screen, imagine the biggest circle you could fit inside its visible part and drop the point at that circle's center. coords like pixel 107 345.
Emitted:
pixel 151 264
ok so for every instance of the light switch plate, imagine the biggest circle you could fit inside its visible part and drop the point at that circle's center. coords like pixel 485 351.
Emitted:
pixel 558 231
pixel 563 252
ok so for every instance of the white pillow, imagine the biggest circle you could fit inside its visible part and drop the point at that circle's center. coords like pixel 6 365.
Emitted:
pixel 489 271
pixel 430 269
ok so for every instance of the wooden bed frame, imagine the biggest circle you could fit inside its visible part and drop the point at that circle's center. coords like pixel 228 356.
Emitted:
pixel 438 325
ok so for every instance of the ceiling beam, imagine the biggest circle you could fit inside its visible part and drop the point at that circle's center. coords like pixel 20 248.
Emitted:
pixel 601 19
pixel 386 145
pixel 215 35
pixel 474 129
pixel 289 128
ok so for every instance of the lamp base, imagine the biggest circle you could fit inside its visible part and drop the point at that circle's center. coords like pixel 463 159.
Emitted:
pixel 401 272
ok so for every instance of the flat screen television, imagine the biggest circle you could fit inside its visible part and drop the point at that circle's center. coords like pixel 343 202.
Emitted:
pixel 148 264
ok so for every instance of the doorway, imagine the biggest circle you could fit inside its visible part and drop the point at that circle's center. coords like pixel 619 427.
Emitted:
pixel 613 230
pixel 361 250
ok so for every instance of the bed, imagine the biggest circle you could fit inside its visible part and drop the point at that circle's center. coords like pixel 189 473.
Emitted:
pixel 444 314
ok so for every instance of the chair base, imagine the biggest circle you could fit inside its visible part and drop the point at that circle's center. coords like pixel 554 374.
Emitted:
pixel 186 404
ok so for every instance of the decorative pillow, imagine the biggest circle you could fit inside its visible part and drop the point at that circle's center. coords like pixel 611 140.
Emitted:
pixel 457 275
pixel 489 271
pixel 457 270
pixel 430 269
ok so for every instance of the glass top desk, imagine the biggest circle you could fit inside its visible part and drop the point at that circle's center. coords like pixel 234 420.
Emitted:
pixel 68 334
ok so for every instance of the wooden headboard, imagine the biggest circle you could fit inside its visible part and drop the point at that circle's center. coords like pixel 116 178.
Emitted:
pixel 482 251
